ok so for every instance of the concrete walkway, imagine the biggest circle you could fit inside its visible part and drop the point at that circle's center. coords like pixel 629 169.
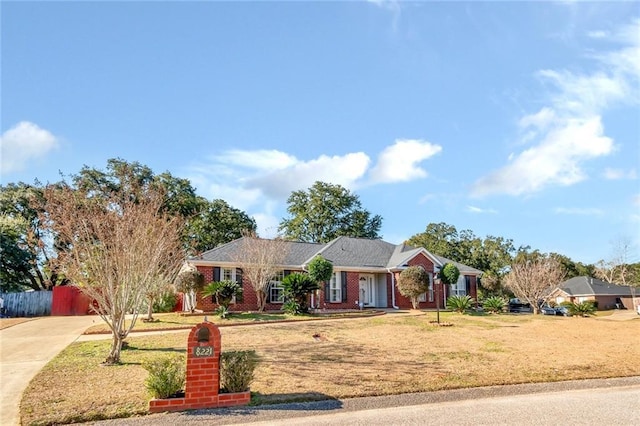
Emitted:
pixel 27 347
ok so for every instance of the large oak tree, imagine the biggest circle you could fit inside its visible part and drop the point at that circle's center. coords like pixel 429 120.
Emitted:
pixel 326 211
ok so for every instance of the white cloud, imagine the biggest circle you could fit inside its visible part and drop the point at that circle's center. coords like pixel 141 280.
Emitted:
pixel 342 170
pixel 597 34
pixel 22 144
pixel 474 209
pixel 568 132
pixel 617 174
pixel 399 162
pixel 554 161
pixel 258 181
pixel 579 211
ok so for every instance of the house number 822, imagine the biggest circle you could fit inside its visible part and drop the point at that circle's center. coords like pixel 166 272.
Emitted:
pixel 202 351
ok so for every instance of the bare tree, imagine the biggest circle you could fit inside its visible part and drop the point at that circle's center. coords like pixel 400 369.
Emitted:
pixel 532 281
pixel 616 269
pixel 260 260
pixel 119 248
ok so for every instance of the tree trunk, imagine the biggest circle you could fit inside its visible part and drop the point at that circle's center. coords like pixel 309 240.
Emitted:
pixel 116 347
pixel 262 300
pixel 150 310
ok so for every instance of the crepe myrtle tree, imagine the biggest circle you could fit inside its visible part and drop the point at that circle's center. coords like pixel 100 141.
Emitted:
pixel 119 249
pixel 412 282
pixel 260 260
pixel 533 280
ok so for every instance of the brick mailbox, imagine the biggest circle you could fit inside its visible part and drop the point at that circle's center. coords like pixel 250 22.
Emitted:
pixel 202 389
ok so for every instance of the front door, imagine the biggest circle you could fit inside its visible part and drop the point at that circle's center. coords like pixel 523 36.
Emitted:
pixel 367 290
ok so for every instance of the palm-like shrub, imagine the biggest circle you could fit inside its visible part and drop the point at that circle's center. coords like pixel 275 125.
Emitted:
pixel 297 288
pixel 583 309
pixel 223 291
pixel 459 303
pixel 494 304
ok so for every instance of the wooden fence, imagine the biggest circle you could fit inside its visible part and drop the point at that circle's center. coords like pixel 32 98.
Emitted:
pixel 27 303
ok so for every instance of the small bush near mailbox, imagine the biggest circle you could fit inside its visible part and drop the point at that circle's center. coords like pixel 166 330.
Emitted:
pixel 236 370
pixel 166 376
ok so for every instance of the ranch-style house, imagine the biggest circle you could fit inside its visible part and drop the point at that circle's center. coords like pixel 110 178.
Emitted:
pixel 365 273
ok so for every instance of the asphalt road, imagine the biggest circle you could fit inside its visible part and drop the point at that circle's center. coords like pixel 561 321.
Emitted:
pixel 586 402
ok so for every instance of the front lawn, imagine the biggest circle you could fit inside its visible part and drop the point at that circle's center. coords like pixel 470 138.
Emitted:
pixel 176 320
pixel 349 358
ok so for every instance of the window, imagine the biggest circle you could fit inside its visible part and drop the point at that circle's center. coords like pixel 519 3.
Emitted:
pixel 335 289
pixel 227 274
pixel 231 274
pixel 423 296
pixel 276 291
pixel 459 288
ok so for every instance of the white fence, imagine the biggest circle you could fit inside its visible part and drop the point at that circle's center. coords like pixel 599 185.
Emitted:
pixel 27 303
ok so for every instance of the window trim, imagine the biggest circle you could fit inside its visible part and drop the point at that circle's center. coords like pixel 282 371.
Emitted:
pixel 335 288
pixel 275 284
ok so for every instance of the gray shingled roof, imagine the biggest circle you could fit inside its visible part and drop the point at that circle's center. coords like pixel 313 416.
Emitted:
pixel 358 252
pixel 464 269
pixel 297 254
pixel 343 252
pixel 587 286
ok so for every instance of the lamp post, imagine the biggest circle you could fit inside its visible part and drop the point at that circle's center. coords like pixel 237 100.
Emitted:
pixel 438 299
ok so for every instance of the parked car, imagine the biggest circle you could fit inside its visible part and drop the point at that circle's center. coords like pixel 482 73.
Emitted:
pixel 516 305
pixel 548 310
pixel 562 310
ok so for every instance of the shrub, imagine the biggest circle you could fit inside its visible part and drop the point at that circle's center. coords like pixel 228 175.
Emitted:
pixel 166 302
pixel 583 309
pixel 459 303
pixel 166 376
pixel 494 304
pixel 223 291
pixel 292 307
pixel 412 282
pixel 222 312
pixel 236 370
pixel 297 288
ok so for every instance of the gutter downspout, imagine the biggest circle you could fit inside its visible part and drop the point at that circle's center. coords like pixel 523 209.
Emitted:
pixel 393 290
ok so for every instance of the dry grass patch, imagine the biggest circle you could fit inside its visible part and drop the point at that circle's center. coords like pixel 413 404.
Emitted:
pixel 8 322
pixel 350 358
pixel 179 320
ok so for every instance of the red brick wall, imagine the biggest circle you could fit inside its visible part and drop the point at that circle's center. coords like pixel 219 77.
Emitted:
pixel 353 291
pixel 249 299
pixel 203 378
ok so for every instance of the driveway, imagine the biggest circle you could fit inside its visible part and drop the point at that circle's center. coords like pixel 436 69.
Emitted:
pixel 27 347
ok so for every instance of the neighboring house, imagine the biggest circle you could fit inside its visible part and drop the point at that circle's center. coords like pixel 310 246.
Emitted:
pixel 606 295
pixel 365 272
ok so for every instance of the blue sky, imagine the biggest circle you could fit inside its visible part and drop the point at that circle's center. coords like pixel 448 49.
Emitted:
pixel 513 119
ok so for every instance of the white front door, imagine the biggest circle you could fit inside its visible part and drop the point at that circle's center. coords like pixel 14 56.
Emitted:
pixel 367 290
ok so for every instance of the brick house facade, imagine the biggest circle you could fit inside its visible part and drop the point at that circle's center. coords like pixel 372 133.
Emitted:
pixel 365 275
